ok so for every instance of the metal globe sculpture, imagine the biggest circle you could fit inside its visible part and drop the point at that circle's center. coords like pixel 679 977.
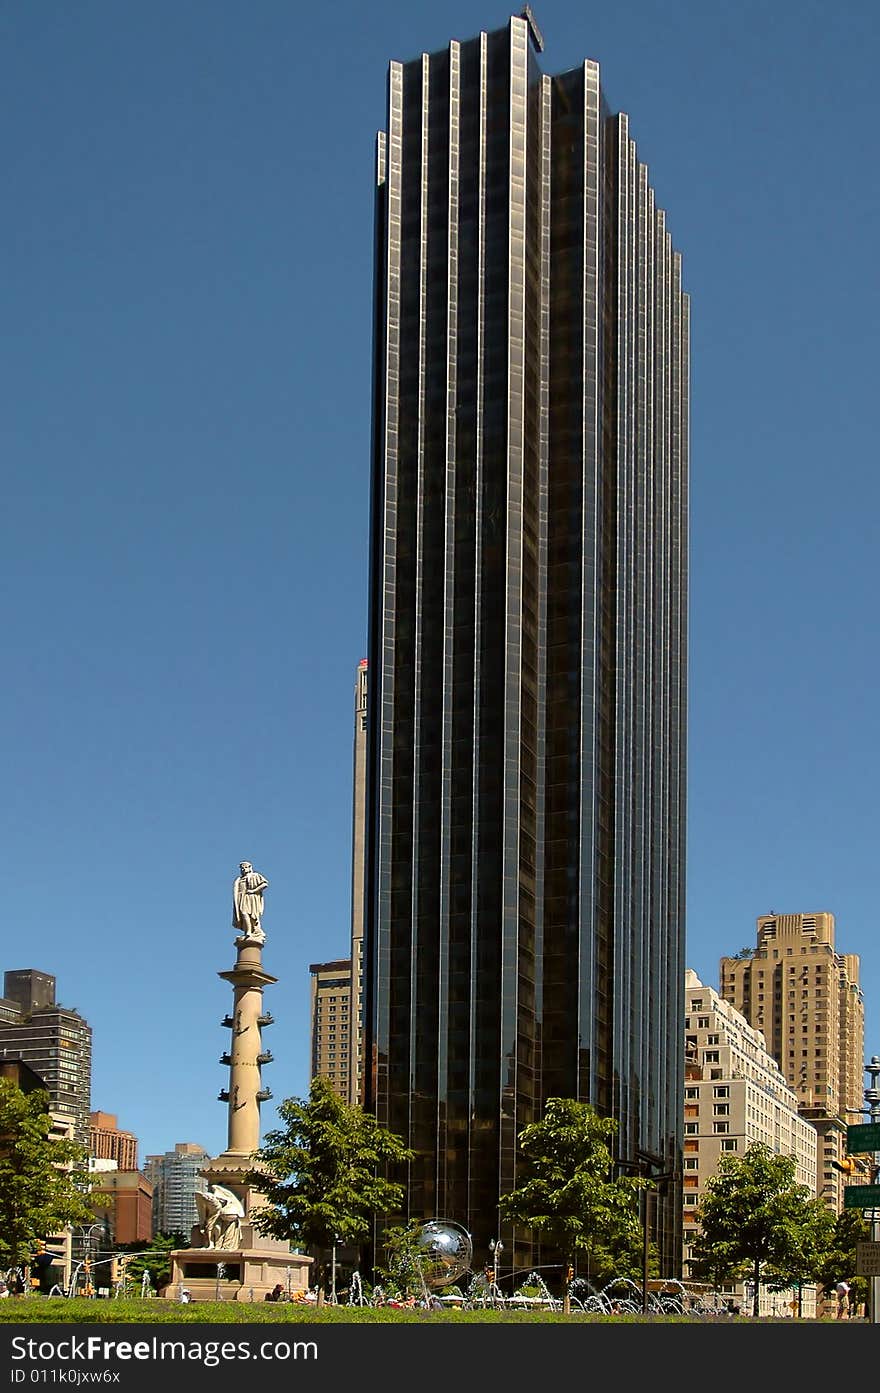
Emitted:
pixel 446 1252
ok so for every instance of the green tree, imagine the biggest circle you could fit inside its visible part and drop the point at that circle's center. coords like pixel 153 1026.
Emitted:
pixel 755 1218
pixel 404 1275
pixel 42 1185
pixel 152 1256
pixel 322 1175
pixel 813 1237
pixel 567 1194
pixel 839 1262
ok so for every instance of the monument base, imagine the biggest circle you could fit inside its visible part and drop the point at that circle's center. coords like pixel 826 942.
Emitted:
pixel 237 1274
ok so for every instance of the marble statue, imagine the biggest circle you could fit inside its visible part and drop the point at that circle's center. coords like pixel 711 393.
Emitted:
pixel 220 1216
pixel 247 903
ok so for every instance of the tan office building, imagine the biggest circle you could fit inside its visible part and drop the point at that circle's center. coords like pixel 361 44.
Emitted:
pixel 108 1142
pixel 124 1200
pixel 330 1013
pixel 805 998
pixel 735 1095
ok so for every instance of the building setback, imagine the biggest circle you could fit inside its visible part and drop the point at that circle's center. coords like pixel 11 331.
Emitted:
pixel 527 655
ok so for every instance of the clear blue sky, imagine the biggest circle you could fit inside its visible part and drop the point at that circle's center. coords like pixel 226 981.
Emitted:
pixel 186 309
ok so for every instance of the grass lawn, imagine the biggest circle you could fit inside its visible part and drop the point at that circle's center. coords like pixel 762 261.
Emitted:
pixel 57 1310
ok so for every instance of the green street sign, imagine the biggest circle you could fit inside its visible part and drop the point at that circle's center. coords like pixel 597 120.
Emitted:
pixel 861 1197
pixel 865 1137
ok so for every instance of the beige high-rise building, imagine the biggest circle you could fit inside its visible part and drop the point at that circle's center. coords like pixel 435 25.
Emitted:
pixel 330 1016
pixel 805 997
pixel 358 863
pixel 735 1095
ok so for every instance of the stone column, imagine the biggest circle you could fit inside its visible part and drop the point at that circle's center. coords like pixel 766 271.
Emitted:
pixel 246 1056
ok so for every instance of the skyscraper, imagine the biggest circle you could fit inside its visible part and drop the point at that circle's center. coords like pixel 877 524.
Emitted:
pixel 176 1178
pixel 358 852
pixel 329 1015
pixel 527 655
pixel 54 1040
pixel 805 996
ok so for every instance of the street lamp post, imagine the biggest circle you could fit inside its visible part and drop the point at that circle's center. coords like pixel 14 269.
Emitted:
pixel 86 1233
pixel 496 1248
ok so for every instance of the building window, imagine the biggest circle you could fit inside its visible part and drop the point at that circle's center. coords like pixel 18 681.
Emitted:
pixel 723 1092
pixel 729 1144
pixel 691 1129
pixel 718 1127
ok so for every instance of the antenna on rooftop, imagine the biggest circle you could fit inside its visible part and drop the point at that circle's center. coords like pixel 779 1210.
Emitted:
pixel 537 36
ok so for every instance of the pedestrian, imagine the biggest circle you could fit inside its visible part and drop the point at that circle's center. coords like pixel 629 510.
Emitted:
pixel 185 1296
pixel 276 1294
pixel 842 1290
pixel 4 1290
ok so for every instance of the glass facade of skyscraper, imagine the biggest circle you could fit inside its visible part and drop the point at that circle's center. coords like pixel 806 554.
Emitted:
pixel 526 740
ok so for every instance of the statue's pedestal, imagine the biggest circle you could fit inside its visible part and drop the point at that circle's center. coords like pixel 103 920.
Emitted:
pixel 249 1271
pixel 252 1265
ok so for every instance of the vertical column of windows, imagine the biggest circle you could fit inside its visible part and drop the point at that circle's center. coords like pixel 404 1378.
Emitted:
pixel 623 910
pixel 511 657
pixel 477 1120
pixel 592 1009
pixel 449 587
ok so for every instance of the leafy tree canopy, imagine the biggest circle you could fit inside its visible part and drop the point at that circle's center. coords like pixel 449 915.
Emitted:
pixel 403 1275
pixel 839 1259
pixel 756 1218
pixel 321 1175
pixel 152 1256
pixel 567 1193
pixel 42 1184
